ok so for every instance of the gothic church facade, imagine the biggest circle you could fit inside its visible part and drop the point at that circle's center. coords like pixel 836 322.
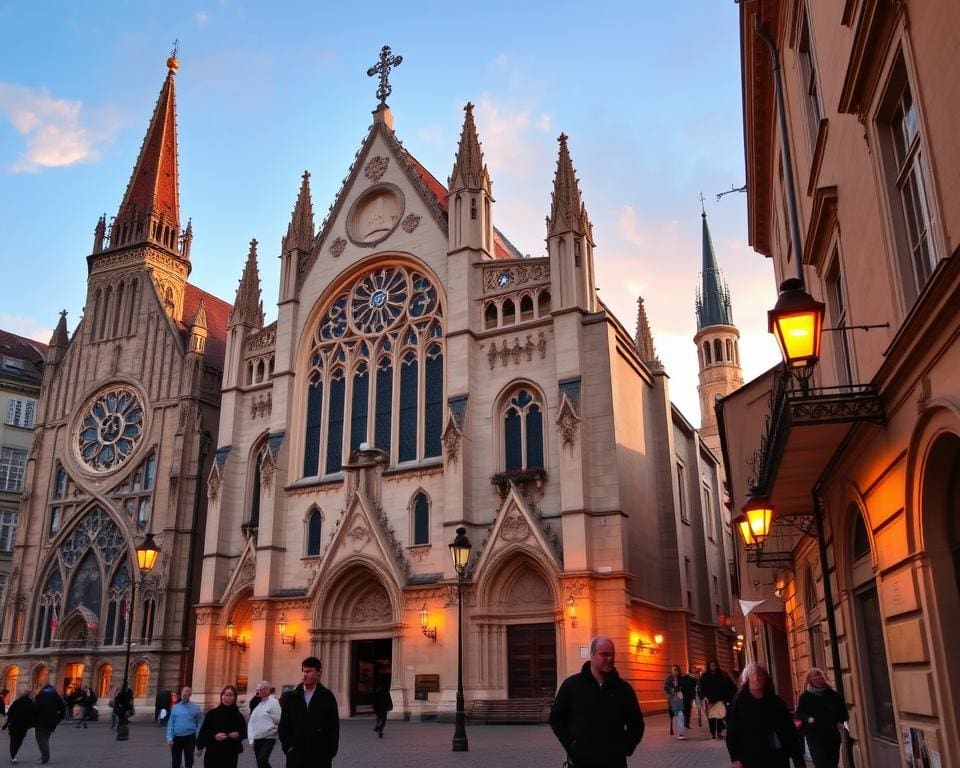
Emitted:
pixel 423 376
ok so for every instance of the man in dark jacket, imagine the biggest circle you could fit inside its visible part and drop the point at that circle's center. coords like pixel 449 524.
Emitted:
pixel 596 715
pixel 51 709
pixel 309 727
pixel 21 717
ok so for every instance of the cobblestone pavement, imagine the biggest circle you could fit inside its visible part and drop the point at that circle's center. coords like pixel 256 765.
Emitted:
pixel 405 745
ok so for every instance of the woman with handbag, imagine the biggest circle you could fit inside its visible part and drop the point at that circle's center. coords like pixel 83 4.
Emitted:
pixel 760 729
pixel 821 711
pixel 717 689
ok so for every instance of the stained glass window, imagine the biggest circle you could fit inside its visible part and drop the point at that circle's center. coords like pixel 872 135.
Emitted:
pixel 85 587
pixel 387 323
pixel 408 407
pixel 513 440
pixel 421 519
pixel 110 429
pixel 433 401
pixel 335 428
pixel 534 437
pixel 358 406
pixel 255 491
pixel 384 404
pixel 311 455
pixel 314 525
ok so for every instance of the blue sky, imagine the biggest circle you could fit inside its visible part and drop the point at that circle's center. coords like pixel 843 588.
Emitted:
pixel 649 94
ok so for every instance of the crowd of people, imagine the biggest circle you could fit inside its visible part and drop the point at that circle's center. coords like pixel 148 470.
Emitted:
pixel 595 716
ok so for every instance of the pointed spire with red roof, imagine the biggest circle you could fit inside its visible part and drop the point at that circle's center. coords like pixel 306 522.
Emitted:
pixel 150 210
pixel 567 211
pixel 469 171
pixel 248 306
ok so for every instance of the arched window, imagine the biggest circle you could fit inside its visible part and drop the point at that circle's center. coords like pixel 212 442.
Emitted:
pixel 386 325
pixel 543 303
pixel 526 307
pixel 490 316
pixel 358 406
pixel 10 679
pixel 91 550
pixel 118 311
pixel 509 312
pixel 706 352
pixel 729 346
pixel 717 351
pixel 736 352
pixel 118 598
pixel 314 526
pixel 421 519
pixel 408 407
pixel 523 433
pixel 141 677
pixel 105 681
pixel 51 601
pixel 255 488
pixel 433 401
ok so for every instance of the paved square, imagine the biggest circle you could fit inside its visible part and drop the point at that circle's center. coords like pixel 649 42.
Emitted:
pixel 405 745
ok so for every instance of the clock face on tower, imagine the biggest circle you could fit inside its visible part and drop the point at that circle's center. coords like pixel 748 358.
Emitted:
pixel 110 429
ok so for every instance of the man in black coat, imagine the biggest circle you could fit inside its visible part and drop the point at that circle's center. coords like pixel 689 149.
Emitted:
pixel 596 715
pixel 51 709
pixel 309 727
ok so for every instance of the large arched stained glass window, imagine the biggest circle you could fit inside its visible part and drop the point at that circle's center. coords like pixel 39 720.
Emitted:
pixel 376 371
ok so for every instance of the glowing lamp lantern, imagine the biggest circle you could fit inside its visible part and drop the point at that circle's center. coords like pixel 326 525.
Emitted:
pixel 282 624
pixel 797 323
pixel 231 630
pixel 745 533
pixel 658 639
pixel 759 513
pixel 147 553
pixel 460 551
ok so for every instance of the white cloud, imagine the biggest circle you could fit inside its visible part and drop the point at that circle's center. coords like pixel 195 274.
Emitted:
pixel 545 122
pixel 57 132
pixel 499 62
pixel 201 18
pixel 25 326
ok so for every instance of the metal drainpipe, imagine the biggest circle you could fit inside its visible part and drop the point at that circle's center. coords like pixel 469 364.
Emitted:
pixel 831 618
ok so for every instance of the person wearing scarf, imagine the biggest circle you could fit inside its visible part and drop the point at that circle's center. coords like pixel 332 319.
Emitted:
pixel 221 733
pixel 760 729
pixel 820 712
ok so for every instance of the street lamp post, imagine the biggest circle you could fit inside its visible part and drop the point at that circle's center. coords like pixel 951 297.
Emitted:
pixel 146 557
pixel 460 551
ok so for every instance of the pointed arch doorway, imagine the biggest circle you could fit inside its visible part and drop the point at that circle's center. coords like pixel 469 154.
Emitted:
pixel 371 663
pixel 531 661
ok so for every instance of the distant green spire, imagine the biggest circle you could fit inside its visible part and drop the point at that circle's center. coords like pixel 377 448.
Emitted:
pixel 713 296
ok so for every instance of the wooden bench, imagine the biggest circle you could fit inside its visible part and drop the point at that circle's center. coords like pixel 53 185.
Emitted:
pixel 519 711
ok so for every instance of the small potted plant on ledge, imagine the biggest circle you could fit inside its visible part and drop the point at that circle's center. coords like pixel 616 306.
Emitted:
pixel 520 476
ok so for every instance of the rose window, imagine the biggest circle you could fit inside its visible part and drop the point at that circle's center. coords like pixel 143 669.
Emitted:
pixel 110 429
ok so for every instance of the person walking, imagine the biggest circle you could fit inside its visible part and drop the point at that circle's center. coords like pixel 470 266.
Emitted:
pixel 86 701
pixel 183 725
pixel 596 715
pixel 221 733
pixel 262 728
pixel 760 729
pixel 821 712
pixel 21 717
pixel 673 687
pixel 382 703
pixel 717 690
pixel 309 729
pixel 51 709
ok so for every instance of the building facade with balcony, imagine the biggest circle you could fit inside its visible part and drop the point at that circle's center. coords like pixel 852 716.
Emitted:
pixel 860 457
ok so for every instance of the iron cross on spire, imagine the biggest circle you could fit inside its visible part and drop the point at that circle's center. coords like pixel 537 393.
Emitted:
pixel 387 62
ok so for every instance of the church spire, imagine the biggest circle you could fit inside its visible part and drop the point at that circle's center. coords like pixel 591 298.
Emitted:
pixel 713 297
pixel 567 211
pixel 643 342
pixel 469 171
pixel 60 338
pixel 300 231
pixel 198 329
pixel 150 210
pixel 248 306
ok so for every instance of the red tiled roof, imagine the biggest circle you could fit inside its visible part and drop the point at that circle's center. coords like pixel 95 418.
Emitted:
pixel 503 248
pixel 28 350
pixel 218 312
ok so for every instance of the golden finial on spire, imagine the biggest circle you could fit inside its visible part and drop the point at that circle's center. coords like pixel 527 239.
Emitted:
pixel 172 64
